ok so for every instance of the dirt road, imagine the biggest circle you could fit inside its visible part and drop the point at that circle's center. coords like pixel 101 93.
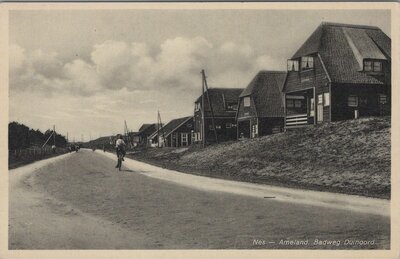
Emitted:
pixel 80 201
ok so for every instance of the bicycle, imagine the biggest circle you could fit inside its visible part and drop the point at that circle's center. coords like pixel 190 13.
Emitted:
pixel 120 156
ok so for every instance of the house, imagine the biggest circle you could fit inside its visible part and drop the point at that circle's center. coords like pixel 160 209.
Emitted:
pixel 224 103
pixel 144 132
pixel 341 72
pixel 133 139
pixel 152 139
pixel 261 109
pixel 176 133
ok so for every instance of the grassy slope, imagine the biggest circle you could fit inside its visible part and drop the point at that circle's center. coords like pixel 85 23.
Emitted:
pixel 350 157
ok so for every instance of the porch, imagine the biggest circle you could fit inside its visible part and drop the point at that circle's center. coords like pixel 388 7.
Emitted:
pixel 300 108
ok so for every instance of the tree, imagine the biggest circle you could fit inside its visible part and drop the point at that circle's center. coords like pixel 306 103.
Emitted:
pixel 20 136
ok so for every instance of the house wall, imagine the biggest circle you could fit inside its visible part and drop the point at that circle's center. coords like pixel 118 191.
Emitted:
pixel 265 126
pixel 342 111
pixel 315 78
pixel 245 112
pixel 176 137
pixel 243 128
pixel 224 133
pixel 268 126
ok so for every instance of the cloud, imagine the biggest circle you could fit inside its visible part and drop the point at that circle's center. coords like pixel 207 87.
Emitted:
pixel 175 65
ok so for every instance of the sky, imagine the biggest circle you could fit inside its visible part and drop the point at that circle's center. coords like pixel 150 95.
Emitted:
pixel 86 71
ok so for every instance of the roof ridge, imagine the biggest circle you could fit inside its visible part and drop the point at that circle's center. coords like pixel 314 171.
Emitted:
pixel 184 120
pixel 223 88
pixel 272 71
pixel 350 25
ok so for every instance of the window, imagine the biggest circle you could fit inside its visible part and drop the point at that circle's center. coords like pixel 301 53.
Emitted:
pixel 327 100
pixel 307 63
pixel 312 104
pixel 197 106
pixel 352 101
pixel 382 99
pixel 372 66
pixel 218 127
pixel 293 65
pixel 320 99
pixel 363 100
pixel 290 103
pixel 246 101
pixel 232 106
pixel 294 103
pixel 377 66
pixel 367 65
pixel 184 139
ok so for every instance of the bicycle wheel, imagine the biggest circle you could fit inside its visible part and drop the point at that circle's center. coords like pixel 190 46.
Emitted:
pixel 119 162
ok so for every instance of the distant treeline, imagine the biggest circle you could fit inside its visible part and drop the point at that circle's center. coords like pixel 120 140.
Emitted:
pixel 21 136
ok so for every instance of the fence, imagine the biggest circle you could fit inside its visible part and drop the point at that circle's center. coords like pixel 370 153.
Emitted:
pixel 21 156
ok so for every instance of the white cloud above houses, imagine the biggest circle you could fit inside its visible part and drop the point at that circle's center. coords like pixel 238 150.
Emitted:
pixel 116 65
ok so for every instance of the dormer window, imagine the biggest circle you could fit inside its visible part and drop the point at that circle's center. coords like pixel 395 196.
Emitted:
pixel 372 66
pixel 246 101
pixel 231 106
pixel 307 63
pixel 292 65
pixel 377 66
pixel 368 65
pixel 197 106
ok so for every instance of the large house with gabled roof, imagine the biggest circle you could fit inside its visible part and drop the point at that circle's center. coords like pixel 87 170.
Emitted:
pixel 224 104
pixel 341 72
pixel 261 110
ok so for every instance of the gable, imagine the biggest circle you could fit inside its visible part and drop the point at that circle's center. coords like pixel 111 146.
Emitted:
pixel 343 49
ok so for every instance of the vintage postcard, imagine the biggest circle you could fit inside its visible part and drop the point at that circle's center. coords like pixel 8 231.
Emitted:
pixel 199 130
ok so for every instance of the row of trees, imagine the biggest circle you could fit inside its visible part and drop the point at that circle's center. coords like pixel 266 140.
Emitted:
pixel 21 136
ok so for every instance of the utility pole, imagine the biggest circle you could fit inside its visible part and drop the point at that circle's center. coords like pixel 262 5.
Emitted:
pixel 210 105
pixel 126 132
pixel 160 127
pixel 203 133
pixel 54 135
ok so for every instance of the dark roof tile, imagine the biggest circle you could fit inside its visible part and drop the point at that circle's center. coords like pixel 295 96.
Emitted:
pixel 220 97
pixel 342 48
pixel 266 91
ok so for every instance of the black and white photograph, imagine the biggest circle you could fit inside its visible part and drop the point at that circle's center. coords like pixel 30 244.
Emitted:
pixel 203 127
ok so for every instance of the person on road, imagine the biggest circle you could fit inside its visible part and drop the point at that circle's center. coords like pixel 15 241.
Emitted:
pixel 120 147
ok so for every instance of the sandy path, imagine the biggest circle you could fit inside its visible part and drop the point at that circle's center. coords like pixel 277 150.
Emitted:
pixel 282 194
pixel 80 201
pixel 39 221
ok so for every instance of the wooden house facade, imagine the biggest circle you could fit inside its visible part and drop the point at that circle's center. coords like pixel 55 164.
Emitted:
pixel 145 131
pixel 176 133
pixel 341 72
pixel 224 103
pixel 261 110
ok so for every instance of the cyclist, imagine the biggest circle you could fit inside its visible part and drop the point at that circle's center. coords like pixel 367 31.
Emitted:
pixel 120 147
